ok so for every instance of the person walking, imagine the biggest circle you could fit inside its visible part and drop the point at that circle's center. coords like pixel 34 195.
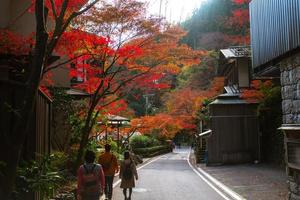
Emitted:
pixel 90 179
pixel 110 166
pixel 127 174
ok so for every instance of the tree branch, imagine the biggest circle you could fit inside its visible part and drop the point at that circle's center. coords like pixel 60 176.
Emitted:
pixel 86 8
pixel 53 9
pixel 62 63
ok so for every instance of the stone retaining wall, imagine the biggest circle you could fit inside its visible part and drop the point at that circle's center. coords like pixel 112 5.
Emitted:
pixel 290 91
pixel 290 82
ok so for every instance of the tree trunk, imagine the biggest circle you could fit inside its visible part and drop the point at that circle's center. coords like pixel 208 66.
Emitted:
pixel 89 123
pixel 10 158
pixel 84 139
pixel 11 149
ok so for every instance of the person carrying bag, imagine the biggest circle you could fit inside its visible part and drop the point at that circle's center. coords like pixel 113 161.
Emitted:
pixel 90 179
pixel 128 175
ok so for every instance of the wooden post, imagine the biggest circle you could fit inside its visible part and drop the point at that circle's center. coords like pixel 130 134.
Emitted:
pixel 118 131
pixel 106 134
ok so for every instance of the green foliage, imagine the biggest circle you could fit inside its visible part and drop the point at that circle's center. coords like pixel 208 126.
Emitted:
pixel 114 145
pixel 142 141
pixel 199 76
pixel 203 113
pixel 270 118
pixel 40 177
pixel 67 110
pixel 59 160
pixel 114 148
pixel 2 165
pixel 136 101
pixel 93 145
pixel 62 100
pixel 77 125
pixel 183 139
pixel 209 18
pixel 152 151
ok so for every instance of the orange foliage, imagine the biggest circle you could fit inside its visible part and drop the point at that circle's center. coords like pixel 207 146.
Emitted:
pixel 161 55
pixel 166 124
pixel 257 92
pixel 240 21
pixel 181 111
pixel 187 101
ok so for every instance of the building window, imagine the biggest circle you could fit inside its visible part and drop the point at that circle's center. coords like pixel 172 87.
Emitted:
pixel 81 77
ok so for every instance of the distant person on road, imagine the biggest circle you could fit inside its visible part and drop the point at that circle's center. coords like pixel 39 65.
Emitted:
pixel 110 166
pixel 127 175
pixel 179 145
pixel 90 179
pixel 173 146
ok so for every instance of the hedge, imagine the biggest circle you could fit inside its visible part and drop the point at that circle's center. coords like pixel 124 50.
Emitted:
pixel 152 151
pixel 143 141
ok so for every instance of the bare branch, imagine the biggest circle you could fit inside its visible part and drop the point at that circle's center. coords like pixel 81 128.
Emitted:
pixel 53 9
pixel 86 8
pixel 63 63
pixel 112 101
pixel 19 16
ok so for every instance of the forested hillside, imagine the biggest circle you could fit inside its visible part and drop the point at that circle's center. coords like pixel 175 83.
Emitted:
pixel 218 24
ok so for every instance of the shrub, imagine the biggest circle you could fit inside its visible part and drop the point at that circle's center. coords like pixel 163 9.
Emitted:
pixel 143 141
pixel 39 177
pixel 114 146
pixel 59 160
pixel 152 151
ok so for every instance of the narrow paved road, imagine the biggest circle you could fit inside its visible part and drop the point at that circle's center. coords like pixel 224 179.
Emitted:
pixel 170 178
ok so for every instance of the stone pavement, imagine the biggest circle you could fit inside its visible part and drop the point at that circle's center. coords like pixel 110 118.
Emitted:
pixel 252 181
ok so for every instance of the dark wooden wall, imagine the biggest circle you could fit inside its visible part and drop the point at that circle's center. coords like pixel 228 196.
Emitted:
pixel 234 136
pixel 38 139
pixel 43 124
pixel 37 142
pixel 275 30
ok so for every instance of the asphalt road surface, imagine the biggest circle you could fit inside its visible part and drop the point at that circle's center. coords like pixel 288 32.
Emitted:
pixel 170 178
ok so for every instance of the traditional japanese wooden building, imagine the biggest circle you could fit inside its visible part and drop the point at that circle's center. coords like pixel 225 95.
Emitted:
pixel 235 66
pixel 233 136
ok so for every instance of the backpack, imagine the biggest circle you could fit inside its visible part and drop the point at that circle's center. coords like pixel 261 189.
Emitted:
pixel 91 183
pixel 127 173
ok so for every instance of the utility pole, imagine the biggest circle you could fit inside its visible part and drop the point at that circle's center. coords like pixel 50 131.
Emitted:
pixel 147 104
pixel 166 8
pixel 160 3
